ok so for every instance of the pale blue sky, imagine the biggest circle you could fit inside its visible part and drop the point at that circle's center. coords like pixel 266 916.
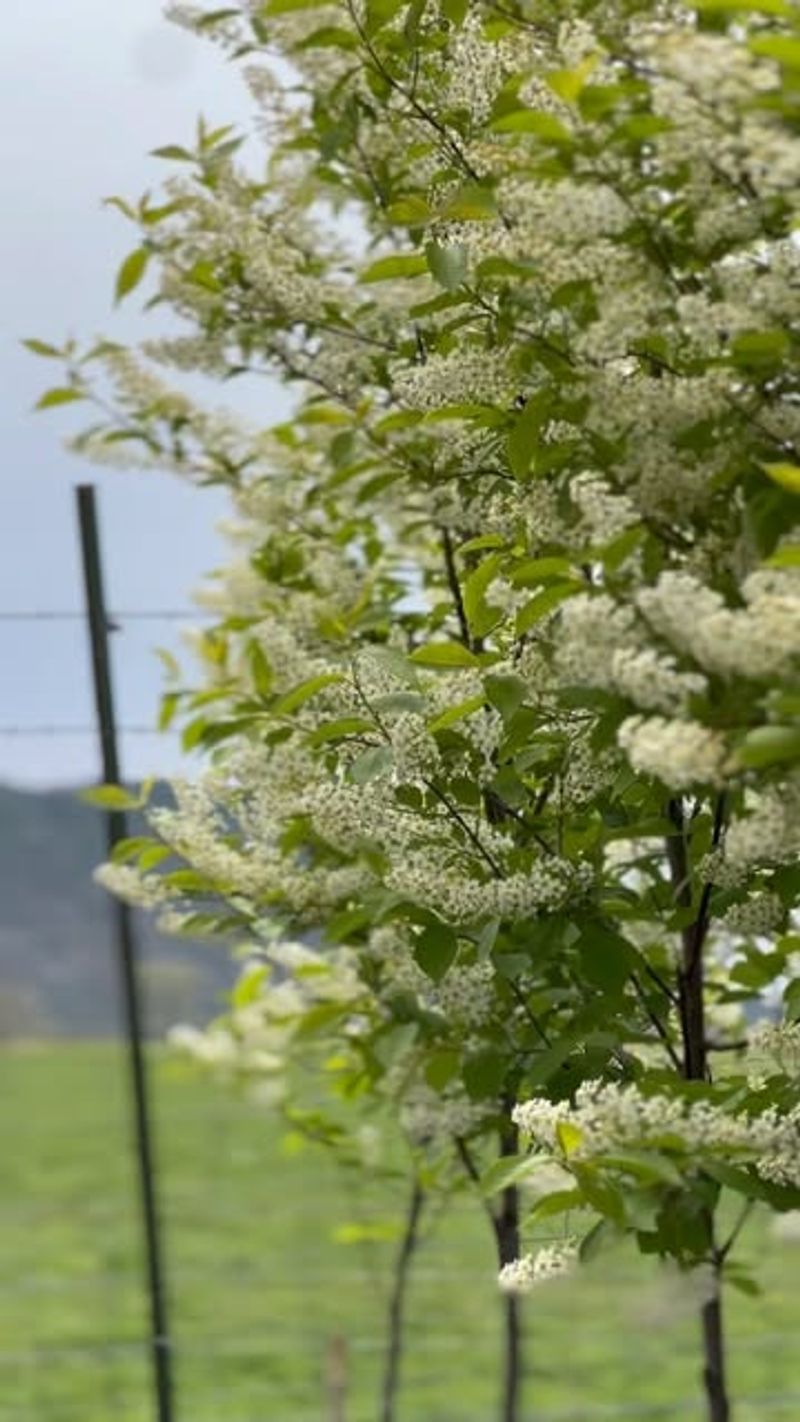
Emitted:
pixel 87 88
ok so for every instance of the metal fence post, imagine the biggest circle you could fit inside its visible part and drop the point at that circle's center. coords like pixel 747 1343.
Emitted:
pixel 116 829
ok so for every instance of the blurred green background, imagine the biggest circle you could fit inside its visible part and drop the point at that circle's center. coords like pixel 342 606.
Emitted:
pixel 260 1285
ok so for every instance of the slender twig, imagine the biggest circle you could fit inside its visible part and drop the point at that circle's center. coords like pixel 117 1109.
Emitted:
pixel 466 827
pixel 656 1022
pixel 455 588
pixel 531 1016
pixel 744 1214
pixel 397 1303
pixel 465 1156
pixel 662 983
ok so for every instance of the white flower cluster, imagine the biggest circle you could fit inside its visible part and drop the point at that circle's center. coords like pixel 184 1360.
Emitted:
pixel 553 1261
pixel 462 897
pixel 415 753
pixel 768 829
pixel 758 641
pixel 604 513
pixel 466 994
pixel 255 1039
pixel 473 70
pixel 140 890
pixel 607 1117
pixel 602 643
pixel 431 1118
pixel 468 376
pixel 775 1045
pixel 757 916
pixel 682 754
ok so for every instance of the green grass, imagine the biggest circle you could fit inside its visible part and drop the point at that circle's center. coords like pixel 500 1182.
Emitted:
pixel 259 1286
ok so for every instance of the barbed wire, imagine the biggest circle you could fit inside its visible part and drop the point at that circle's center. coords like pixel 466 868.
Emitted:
pixel 67 730
pixel 149 614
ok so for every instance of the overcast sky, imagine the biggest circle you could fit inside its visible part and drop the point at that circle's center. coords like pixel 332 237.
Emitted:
pixel 87 88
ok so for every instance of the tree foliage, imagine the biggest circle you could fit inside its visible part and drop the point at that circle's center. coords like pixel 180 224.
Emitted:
pixel 501 703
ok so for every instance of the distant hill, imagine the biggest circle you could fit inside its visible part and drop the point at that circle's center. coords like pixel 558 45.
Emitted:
pixel 58 969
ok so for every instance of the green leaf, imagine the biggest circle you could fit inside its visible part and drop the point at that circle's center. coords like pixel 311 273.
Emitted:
pixel 216 17
pixel 484 540
pixel 441 1068
pixel 248 987
pixel 506 693
pixel 260 670
pixel 789 555
pixel 296 698
pixel 480 616
pixel 131 272
pixel 370 764
pixel 59 395
pixel 287 7
pixel 329 37
pixel 745 7
pixel 549 1061
pixel 760 351
pixel 472 203
pixel 607 958
pixel 447 265
pixel 435 950
pixel 752 1186
pixel 411 211
pixel 129 848
pixel 791 998
pixel 544 603
pixel 41 348
pixel 111 797
pixel 601 1194
pixel 379 13
pixel 523 437
pixel 569 83
pixel 456 713
pixel 599 1237
pixel 540 570
pixel 455 11
pixel 569 1137
pixel 173 150
pixel 787 475
pixel 647 1166
pixel 444 654
pixel 170 702
pixel 558 1202
pixel 540 125
pixel 371 1232
pixel 769 745
pixel 507 1171
pixel 341 728
pixel 484 1074
pixel 153 856
pixel 391 268
pixel 784 49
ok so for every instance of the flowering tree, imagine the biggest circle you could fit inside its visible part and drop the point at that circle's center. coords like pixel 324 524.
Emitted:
pixel 502 700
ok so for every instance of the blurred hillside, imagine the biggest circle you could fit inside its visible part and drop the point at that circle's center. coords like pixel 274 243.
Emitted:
pixel 58 969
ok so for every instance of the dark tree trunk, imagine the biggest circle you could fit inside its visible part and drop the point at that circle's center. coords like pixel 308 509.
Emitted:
pixel 695 1068
pixel 714 1350
pixel 508 1249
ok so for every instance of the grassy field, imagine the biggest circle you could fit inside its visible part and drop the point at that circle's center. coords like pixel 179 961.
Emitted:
pixel 259 1284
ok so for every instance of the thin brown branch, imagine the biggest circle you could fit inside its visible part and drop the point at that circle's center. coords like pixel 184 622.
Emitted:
pixel 397 1303
pixel 656 1022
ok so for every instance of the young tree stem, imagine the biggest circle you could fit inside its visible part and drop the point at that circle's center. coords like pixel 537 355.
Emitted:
pixel 505 1227
pixel 695 1068
pixel 397 1303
